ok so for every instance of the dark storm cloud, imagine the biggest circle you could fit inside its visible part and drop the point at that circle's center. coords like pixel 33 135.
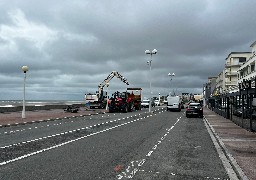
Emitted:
pixel 71 47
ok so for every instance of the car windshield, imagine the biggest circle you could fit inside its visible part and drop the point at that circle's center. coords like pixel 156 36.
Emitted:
pixel 194 106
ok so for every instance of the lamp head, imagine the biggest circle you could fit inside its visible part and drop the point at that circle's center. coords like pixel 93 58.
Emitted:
pixel 147 52
pixel 169 74
pixel 154 51
pixel 24 69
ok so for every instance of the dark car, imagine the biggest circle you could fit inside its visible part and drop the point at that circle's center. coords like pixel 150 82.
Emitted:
pixel 194 109
pixel 239 111
pixel 254 114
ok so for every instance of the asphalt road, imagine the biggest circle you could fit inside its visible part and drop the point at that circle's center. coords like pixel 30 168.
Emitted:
pixel 136 145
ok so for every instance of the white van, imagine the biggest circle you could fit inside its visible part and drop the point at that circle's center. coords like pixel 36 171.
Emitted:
pixel 173 103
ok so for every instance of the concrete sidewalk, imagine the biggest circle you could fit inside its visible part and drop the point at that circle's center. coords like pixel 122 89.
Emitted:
pixel 238 144
pixel 14 118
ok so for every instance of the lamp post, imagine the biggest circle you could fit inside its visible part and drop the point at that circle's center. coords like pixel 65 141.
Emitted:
pixel 149 63
pixel 107 96
pixel 24 69
pixel 171 75
pixel 159 98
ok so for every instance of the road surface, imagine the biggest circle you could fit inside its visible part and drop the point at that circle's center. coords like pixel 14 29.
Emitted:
pixel 136 145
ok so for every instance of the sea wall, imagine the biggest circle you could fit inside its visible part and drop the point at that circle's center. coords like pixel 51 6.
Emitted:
pixel 36 108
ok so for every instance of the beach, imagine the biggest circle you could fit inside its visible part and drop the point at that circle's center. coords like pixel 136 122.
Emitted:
pixel 10 111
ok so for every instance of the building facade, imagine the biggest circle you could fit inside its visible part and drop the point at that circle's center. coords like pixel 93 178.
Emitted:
pixel 233 62
pixel 220 83
pixel 248 70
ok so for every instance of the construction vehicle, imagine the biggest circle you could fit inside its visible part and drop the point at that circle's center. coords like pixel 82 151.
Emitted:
pixel 125 101
pixel 135 96
pixel 120 102
pixel 99 99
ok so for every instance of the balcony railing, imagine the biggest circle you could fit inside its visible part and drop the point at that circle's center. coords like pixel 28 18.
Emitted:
pixel 228 73
pixel 227 65
pixel 232 64
pixel 231 83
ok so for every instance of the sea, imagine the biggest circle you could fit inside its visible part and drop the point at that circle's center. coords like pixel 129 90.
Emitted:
pixel 14 103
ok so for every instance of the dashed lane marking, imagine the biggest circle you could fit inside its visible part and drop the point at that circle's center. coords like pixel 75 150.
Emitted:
pixel 131 170
pixel 59 145
pixel 55 124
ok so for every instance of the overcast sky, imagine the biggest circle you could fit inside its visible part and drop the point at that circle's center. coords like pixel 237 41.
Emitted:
pixel 70 47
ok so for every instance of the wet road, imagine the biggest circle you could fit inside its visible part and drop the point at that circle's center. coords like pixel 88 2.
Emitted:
pixel 136 145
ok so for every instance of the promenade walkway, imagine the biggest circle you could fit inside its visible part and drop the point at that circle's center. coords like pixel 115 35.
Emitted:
pixel 239 145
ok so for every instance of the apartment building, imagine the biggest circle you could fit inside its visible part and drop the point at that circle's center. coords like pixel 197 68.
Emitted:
pixel 233 62
pixel 220 82
pixel 248 70
pixel 210 86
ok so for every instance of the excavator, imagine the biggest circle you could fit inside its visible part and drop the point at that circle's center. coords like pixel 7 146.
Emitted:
pixel 98 100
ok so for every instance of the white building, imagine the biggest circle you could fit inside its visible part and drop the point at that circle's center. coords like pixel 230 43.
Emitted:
pixel 248 70
pixel 220 82
pixel 233 63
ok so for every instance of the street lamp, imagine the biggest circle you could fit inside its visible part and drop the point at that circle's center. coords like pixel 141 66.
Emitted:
pixel 171 75
pixel 149 63
pixel 24 69
pixel 107 96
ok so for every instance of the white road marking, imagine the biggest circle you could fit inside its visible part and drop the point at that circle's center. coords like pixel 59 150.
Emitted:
pixel 59 145
pixel 130 174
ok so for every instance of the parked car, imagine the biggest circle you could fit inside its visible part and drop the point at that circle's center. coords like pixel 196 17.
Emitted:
pixel 165 101
pixel 145 103
pixel 194 109
pixel 239 111
pixel 157 103
pixel 254 114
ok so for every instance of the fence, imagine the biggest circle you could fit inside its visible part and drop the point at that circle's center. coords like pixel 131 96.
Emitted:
pixel 239 107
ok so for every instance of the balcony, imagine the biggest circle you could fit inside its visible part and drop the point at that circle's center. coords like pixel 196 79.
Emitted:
pixel 230 73
pixel 227 65
pixel 231 83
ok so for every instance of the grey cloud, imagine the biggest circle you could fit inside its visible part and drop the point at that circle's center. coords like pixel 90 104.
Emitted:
pixel 71 47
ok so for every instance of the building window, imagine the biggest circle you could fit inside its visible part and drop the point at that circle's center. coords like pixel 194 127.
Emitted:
pixel 242 59
pixel 252 68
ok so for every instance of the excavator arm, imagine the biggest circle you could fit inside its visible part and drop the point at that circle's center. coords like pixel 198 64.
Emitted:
pixel 110 76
